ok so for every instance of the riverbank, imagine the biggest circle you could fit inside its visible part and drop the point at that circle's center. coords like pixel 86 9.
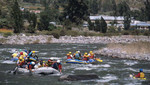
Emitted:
pixel 136 51
pixel 45 39
pixel 130 47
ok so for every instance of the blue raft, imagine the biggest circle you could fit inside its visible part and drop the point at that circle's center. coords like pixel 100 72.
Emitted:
pixel 76 61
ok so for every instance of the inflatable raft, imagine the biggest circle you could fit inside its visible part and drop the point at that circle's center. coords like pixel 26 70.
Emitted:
pixel 136 78
pixel 41 70
pixel 76 61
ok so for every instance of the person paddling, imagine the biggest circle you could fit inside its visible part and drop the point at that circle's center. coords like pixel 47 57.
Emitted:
pixel 140 74
pixel 69 56
pixel 58 66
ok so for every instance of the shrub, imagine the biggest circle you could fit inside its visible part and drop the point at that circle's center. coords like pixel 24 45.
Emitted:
pixel 56 35
pixel 62 32
pixel 7 34
pixel 125 33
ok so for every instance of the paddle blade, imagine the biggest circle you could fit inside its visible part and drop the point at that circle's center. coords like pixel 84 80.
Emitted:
pixel 99 60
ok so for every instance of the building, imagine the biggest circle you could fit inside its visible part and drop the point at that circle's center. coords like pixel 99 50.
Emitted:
pixel 107 18
pixel 120 22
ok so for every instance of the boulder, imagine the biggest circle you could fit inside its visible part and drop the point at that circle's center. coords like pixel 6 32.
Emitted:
pixel 78 77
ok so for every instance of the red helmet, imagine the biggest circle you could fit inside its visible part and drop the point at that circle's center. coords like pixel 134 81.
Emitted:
pixel 49 60
pixel 21 53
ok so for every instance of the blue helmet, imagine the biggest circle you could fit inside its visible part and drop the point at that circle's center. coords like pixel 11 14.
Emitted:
pixel 25 51
pixel 141 70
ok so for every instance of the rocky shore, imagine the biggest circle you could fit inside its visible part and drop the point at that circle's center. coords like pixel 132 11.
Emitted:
pixel 111 52
pixel 44 39
pixel 116 53
pixel 135 51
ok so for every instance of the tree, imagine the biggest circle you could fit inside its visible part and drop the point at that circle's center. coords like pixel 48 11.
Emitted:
pixel 94 7
pixel 97 26
pixel 147 9
pixel 103 25
pixel 17 17
pixel 76 11
pixel 91 25
pixel 46 17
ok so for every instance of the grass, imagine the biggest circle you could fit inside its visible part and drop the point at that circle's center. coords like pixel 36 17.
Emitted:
pixel 3 30
pixel 132 48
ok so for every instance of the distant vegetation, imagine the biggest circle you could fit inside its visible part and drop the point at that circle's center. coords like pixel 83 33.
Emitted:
pixel 71 13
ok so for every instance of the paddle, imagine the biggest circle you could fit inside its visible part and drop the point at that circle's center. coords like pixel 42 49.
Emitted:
pixel 99 60
pixel 15 70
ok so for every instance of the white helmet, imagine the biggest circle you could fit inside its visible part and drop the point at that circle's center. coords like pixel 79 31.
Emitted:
pixel 78 51
pixel 33 63
pixel 58 61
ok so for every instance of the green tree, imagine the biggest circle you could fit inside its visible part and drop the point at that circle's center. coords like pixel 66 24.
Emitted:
pixel 147 9
pixel 94 7
pixel 17 17
pixel 46 17
pixel 90 25
pixel 76 11
pixel 103 25
pixel 98 26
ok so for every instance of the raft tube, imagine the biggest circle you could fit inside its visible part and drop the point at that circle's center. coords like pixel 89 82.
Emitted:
pixel 15 59
pixel 76 61
pixel 136 78
pixel 41 70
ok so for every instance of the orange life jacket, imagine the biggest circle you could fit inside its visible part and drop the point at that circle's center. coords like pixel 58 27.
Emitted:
pixel 68 57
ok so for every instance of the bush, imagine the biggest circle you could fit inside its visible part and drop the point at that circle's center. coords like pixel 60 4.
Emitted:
pixel 7 34
pixel 56 35
pixel 31 29
pixel 125 33
pixel 51 27
pixel 62 32
pixel 146 33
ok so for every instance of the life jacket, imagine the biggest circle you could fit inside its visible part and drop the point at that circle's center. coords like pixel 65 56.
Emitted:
pixel 57 66
pixel 22 63
pixel 91 55
pixel 30 66
pixel 68 56
pixel 49 64
pixel 85 58
pixel 77 56
pixel 142 75
pixel 14 55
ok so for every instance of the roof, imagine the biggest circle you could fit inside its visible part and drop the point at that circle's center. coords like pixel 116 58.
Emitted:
pixel 141 24
pixel 120 18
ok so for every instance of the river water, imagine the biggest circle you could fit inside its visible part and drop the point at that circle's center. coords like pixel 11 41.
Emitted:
pixel 111 71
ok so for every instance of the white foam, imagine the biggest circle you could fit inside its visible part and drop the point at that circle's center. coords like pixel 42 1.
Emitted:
pixel 130 63
pixel 45 53
pixel 83 68
pixel 108 78
pixel 55 58
pixel 8 62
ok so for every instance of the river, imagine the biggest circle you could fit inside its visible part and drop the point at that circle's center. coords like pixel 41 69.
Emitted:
pixel 112 71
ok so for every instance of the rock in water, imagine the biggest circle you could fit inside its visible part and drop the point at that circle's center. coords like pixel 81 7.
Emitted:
pixel 78 77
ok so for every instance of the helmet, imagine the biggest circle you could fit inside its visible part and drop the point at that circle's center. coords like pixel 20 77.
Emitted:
pixel 33 63
pixel 49 60
pixel 87 56
pixel 58 61
pixel 141 70
pixel 91 52
pixel 25 51
pixel 33 51
pixel 69 52
pixel 20 50
pixel 78 51
pixel 21 53
pixel 85 53
pixel 20 58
